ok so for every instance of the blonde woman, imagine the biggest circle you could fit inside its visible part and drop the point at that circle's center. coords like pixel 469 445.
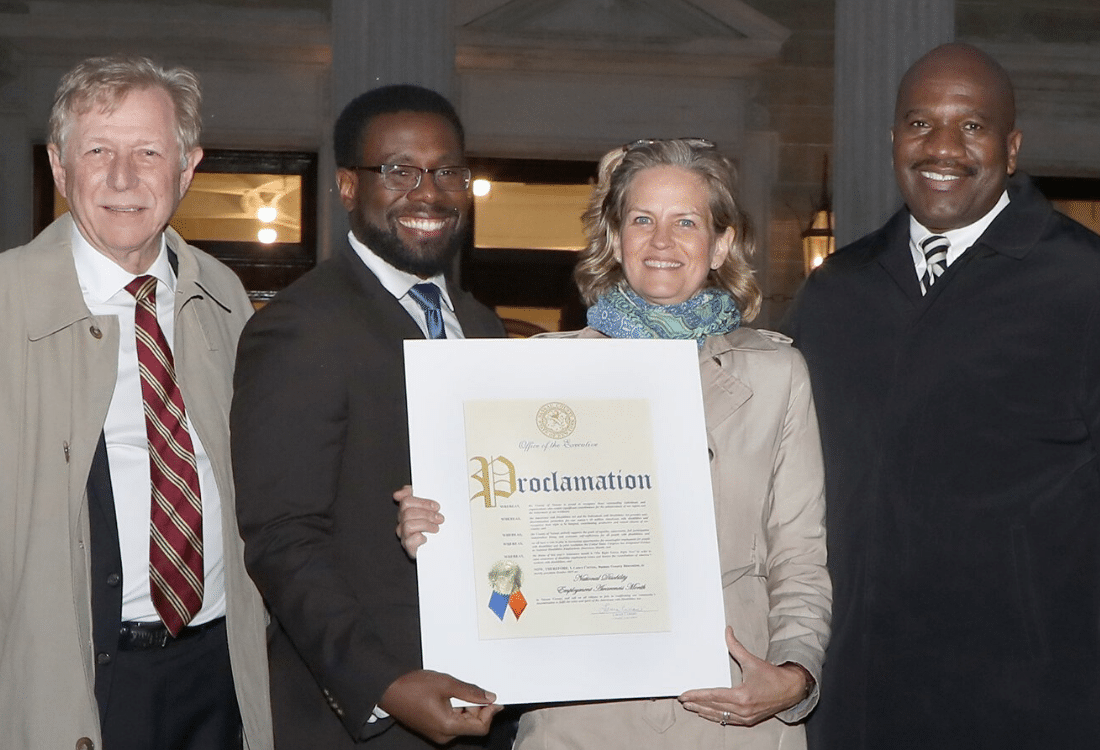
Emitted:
pixel 667 258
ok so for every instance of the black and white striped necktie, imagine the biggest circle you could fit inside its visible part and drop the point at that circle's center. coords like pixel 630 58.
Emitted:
pixel 934 248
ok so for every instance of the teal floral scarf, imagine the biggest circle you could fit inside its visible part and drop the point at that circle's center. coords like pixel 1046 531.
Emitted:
pixel 621 314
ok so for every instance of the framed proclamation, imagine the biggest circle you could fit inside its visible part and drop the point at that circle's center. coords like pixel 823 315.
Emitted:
pixel 578 559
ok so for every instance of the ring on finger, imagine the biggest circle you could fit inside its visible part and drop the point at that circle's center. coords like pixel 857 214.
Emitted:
pixel 725 718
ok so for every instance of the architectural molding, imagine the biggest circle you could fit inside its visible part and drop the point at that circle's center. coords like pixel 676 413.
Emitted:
pixel 1057 104
pixel 709 38
pixel 73 31
pixel 876 41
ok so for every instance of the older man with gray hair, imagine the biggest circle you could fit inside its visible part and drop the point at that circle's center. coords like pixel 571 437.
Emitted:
pixel 127 620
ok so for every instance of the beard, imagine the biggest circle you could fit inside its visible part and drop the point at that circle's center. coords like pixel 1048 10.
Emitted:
pixel 429 261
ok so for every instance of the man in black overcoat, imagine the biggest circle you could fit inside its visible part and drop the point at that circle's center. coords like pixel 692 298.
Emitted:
pixel 955 361
pixel 320 439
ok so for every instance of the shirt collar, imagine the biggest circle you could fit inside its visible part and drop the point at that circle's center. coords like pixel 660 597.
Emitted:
pixel 101 278
pixel 397 282
pixel 962 238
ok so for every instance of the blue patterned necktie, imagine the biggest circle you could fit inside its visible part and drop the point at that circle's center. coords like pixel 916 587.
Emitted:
pixel 935 255
pixel 427 296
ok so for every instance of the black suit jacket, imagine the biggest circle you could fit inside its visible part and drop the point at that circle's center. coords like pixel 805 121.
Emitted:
pixel 961 433
pixel 106 573
pixel 320 443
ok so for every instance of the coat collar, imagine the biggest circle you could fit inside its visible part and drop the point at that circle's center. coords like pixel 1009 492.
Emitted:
pixel 723 392
pixel 191 282
pixel 1018 228
pixel 51 291
pixel 48 265
pixel 1013 233
pixel 894 255
pixel 741 339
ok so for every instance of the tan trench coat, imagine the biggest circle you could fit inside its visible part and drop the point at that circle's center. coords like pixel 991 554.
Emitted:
pixel 769 506
pixel 57 373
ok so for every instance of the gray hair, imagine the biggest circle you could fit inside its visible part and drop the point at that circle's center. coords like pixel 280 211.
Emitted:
pixel 105 82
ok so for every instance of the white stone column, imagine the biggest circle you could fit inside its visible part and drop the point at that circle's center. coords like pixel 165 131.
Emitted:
pixel 16 181
pixel 760 159
pixel 876 41
pixel 375 43
pixel 378 42
pixel 16 167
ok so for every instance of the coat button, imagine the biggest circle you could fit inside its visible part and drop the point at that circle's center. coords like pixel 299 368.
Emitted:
pixel 96 333
pixel 114 579
pixel 85 743
pixel 102 658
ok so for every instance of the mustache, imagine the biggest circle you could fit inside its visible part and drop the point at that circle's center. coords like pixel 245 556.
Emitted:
pixel 967 169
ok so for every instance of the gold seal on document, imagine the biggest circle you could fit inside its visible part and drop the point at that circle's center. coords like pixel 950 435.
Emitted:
pixel 555 420
pixel 505 577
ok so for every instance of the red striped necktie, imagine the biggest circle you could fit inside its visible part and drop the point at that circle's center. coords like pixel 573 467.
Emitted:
pixel 175 534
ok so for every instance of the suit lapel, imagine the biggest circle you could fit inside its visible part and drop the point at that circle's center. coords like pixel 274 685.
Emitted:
pixel 388 313
pixel 470 314
pixel 384 310
pixel 896 259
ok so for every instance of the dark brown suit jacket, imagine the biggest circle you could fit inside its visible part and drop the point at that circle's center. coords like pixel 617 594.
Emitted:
pixel 320 443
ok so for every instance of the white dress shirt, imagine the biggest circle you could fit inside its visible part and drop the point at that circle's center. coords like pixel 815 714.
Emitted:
pixel 103 282
pixel 961 239
pixel 398 283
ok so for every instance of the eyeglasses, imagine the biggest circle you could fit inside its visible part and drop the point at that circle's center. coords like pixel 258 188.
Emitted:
pixel 405 177
pixel 692 142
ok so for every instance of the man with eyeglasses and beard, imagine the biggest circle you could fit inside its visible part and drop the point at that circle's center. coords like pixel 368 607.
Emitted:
pixel 320 438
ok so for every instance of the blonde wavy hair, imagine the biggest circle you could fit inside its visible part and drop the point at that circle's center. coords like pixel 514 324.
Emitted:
pixel 597 270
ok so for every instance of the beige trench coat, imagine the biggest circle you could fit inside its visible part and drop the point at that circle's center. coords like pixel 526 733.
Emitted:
pixel 769 506
pixel 57 374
